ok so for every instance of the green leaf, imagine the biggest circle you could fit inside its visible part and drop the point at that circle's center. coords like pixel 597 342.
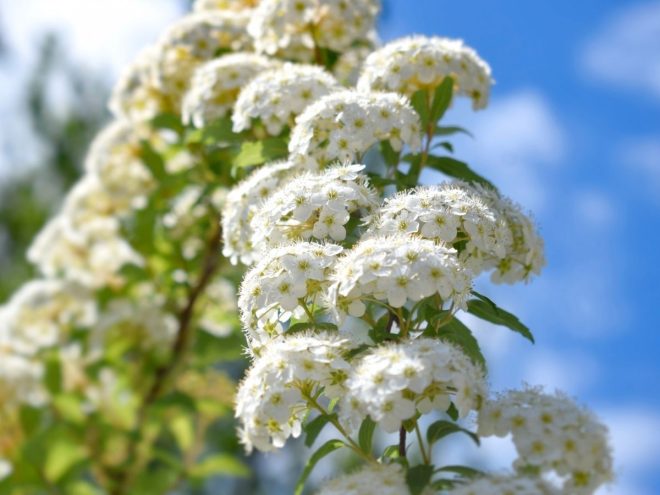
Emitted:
pixel 308 325
pixel 153 161
pixel 53 377
pixel 325 449
pixel 449 130
pixel 314 427
pixel 168 121
pixel 391 452
pixel 463 471
pixel 418 478
pixel 452 412
pixel 220 464
pixel 442 428
pixel 366 435
pixel 70 408
pixel 30 418
pixel 390 156
pixel 443 484
pixel 458 169
pixel 420 102
pixel 442 98
pixel 219 131
pixel 63 454
pixel 183 430
pixel 484 308
pixel 455 332
pixel 258 152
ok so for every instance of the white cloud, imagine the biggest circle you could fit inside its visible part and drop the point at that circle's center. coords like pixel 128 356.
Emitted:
pixel 625 50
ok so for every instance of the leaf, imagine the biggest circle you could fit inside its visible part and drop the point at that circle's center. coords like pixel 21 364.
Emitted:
pixel 168 121
pixel 455 332
pixel 484 308
pixel 219 131
pixel 153 161
pixel 449 130
pixel 458 169
pixel 314 427
pixel 444 93
pixel 31 418
pixel 70 408
pixel 63 454
pixel 366 435
pixel 325 449
pixel 420 102
pixel 183 429
pixel 258 152
pixel 391 451
pixel 442 428
pixel 390 156
pixel 418 478
pixel 53 376
pixel 220 464
pixel 452 412
pixel 463 471
pixel 309 325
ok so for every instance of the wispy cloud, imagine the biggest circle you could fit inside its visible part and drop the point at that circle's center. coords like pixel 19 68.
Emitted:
pixel 624 52
pixel 641 156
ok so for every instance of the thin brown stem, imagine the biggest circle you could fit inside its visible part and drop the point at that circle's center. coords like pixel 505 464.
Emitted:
pixel 402 442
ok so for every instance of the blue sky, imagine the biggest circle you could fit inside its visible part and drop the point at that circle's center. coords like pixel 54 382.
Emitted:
pixel 572 133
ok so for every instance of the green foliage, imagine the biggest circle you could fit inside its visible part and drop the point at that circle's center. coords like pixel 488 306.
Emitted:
pixel 418 478
pixel 441 428
pixel 327 448
pixel 484 308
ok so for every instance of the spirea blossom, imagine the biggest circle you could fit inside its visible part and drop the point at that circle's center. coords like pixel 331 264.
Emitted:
pixel 278 286
pixel 235 5
pixel 505 485
pixel 334 24
pixel 552 433
pixel 135 96
pixel 215 86
pixel 394 270
pixel 344 125
pixel 419 62
pixel 390 383
pixel 277 97
pixel 241 205
pixel 20 375
pixel 43 312
pixel 373 479
pixel 193 40
pixel 313 206
pixel 451 213
pixel 270 402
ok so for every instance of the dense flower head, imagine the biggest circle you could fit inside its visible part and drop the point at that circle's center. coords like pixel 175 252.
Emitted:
pixel 235 5
pixel 135 96
pixel 552 433
pixel 373 479
pixel 241 205
pixel 114 158
pixel 216 84
pixel 419 62
pixel 454 213
pixel 277 97
pixel 391 382
pixel 313 206
pixel 91 253
pixel 333 24
pixel 345 124
pixel 505 485
pixel 43 312
pixel 270 402
pixel 348 66
pixel 20 375
pixel 278 286
pixel 193 40
pixel 394 270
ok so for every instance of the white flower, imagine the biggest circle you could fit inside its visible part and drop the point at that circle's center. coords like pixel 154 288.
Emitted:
pixel 390 382
pixel 42 313
pixel 193 40
pixel 242 203
pixel 349 64
pixel 418 62
pixel 216 84
pixel 276 25
pixel 394 270
pixel 235 5
pixel 20 375
pixel 312 206
pixel 270 402
pixel 505 485
pixel 552 433
pixel 6 468
pixel 284 280
pixel 278 96
pixel 373 479
pixel 344 125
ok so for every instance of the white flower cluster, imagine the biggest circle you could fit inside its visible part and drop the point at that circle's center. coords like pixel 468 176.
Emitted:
pixel 344 125
pixel 215 86
pixel 505 485
pixel 20 375
pixel 277 287
pixel 40 314
pixel 390 383
pixel 552 433
pixel 270 401
pixel 235 5
pixel 313 206
pixel 277 97
pixel 459 214
pixel 418 62
pixel 276 25
pixel 396 269
pixel 241 205
pixel 373 479
pixel 193 40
